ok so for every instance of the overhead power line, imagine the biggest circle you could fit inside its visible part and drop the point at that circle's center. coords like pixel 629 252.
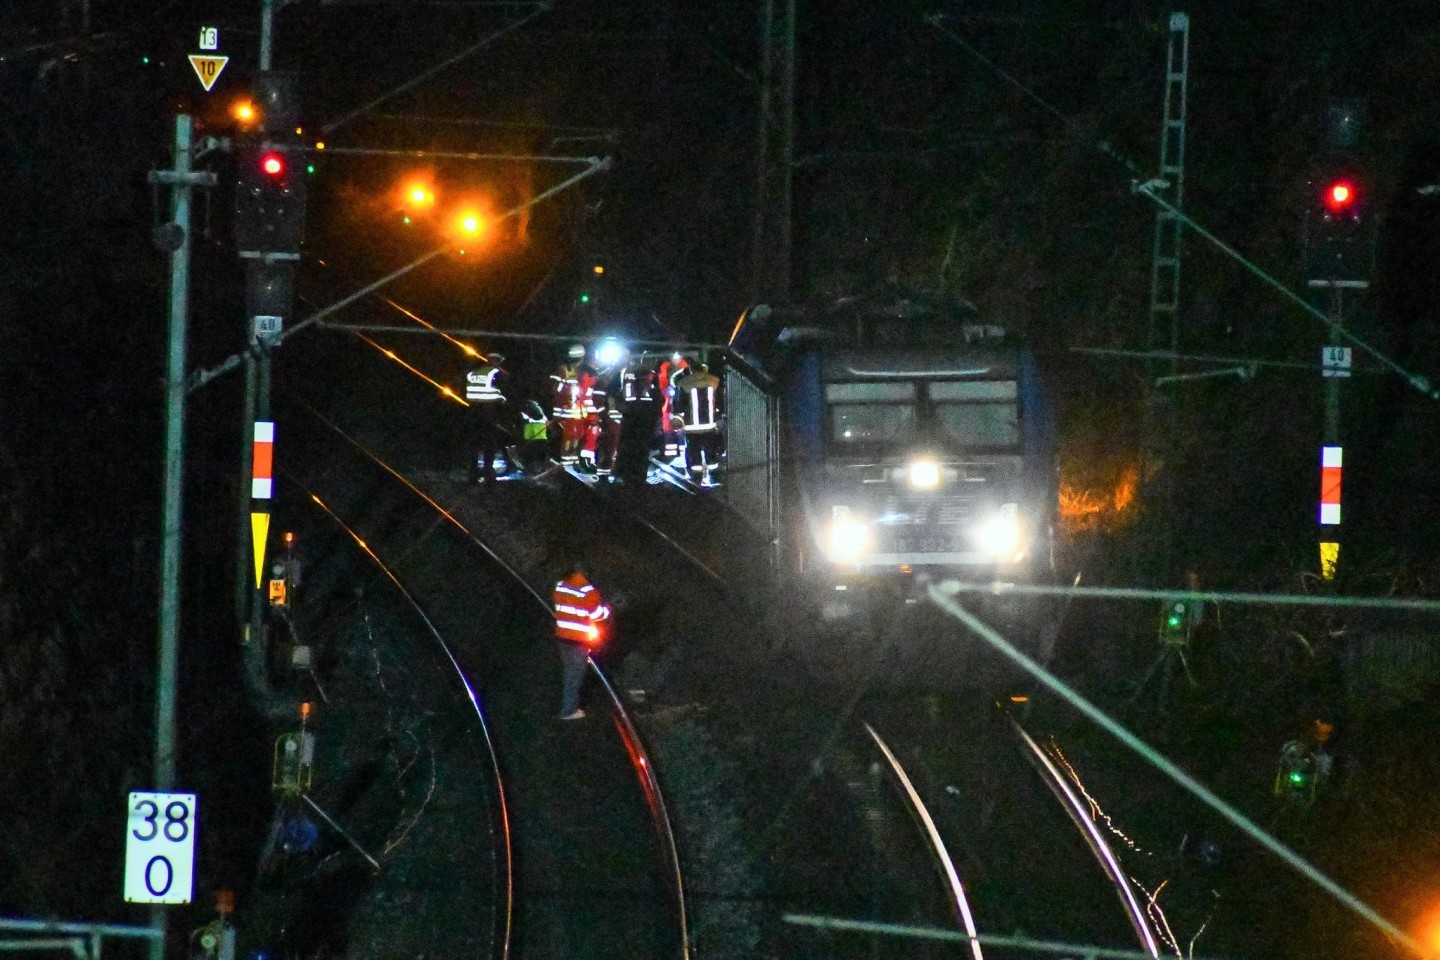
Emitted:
pixel 1145 185
pixel 943 595
pixel 542 6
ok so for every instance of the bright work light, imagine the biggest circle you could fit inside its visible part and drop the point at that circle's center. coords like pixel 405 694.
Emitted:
pixel 609 352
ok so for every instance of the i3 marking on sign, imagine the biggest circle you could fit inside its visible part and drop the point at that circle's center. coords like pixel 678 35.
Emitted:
pixel 160 848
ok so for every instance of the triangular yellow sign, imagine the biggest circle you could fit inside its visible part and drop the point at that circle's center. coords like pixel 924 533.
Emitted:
pixel 259 531
pixel 208 68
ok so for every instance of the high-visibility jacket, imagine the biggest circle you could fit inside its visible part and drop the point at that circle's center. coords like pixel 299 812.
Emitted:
pixel 637 382
pixel 566 404
pixel 698 388
pixel 592 393
pixel 534 422
pixel 580 615
pixel 665 376
pixel 482 385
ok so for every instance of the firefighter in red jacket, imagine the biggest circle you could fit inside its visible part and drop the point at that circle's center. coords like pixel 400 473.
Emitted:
pixel 566 407
pixel 582 622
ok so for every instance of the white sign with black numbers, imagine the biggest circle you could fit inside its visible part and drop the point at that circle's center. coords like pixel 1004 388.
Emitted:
pixel 160 848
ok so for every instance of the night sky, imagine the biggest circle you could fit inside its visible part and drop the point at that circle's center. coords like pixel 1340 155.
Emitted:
pixel 918 166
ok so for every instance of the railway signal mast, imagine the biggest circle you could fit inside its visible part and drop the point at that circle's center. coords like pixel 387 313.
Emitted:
pixel 1339 256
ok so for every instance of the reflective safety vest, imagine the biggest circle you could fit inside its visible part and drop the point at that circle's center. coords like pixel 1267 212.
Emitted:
pixel 580 614
pixel 566 404
pixel 638 382
pixel 480 385
pixel 592 394
pixel 534 424
pixel 699 389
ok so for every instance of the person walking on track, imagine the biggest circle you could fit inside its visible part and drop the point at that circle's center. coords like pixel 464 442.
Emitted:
pixel 582 621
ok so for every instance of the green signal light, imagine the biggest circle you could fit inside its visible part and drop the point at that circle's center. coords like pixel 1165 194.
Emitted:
pixel 407 219
pixel 309 168
pixel 145 60
pixel 584 298
pixel 1173 622
pixel 1296 777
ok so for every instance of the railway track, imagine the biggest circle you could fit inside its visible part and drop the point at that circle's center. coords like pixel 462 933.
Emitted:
pixel 574 836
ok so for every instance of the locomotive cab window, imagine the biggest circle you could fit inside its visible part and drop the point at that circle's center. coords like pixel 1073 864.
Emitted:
pixel 977 413
pixel 863 414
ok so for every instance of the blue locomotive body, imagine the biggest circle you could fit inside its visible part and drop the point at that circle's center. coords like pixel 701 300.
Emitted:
pixel 872 442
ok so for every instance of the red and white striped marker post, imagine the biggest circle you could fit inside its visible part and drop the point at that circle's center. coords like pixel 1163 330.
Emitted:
pixel 262 459
pixel 262 483
pixel 1330 464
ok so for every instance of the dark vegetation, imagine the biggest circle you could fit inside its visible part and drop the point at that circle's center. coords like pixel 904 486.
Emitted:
pixel 931 172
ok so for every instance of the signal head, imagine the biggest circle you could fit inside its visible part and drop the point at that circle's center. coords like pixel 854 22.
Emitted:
pixel 1340 196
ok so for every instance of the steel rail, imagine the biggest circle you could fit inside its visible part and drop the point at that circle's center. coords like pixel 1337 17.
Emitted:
pixel 686 555
pixel 1099 847
pixel 937 843
pixel 508 901
pixel 634 744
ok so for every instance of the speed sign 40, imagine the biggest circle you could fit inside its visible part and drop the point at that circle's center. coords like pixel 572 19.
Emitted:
pixel 160 848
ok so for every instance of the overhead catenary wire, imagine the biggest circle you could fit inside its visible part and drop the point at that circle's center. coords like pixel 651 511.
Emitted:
pixel 202 377
pixel 942 595
pixel 541 7
pixel 1145 186
pixel 998 588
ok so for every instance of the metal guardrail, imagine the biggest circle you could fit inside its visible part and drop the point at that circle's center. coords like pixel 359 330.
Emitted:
pixel 83 940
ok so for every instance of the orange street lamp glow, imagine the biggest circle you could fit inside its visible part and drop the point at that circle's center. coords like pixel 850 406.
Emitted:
pixel 470 223
pixel 244 111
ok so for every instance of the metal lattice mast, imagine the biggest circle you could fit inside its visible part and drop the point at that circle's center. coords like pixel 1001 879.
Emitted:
pixel 771 240
pixel 1165 262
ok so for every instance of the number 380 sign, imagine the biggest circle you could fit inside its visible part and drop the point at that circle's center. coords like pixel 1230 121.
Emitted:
pixel 160 848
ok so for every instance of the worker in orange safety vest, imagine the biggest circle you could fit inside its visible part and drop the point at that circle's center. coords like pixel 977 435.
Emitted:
pixel 582 621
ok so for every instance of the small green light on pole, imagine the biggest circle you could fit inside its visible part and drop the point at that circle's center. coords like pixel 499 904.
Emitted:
pixel 309 168
pixel 584 298
pixel 145 60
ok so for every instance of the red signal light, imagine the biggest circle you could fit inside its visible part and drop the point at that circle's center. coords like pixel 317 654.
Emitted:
pixel 1339 196
pixel 272 164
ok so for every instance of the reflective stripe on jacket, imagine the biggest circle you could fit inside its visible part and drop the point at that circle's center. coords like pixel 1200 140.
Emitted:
pixel 580 614
pixel 480 385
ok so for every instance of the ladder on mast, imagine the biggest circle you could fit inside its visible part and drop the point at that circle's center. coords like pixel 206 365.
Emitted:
pixel 1165 261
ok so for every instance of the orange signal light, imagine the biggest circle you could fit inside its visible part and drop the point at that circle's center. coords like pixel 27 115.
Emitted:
pixel 244 111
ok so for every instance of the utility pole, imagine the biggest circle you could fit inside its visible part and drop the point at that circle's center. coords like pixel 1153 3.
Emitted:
pixel 175 237
pixel 771 239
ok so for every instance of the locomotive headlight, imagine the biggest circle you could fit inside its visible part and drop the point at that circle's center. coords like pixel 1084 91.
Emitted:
pixel 999 533
pixel 924 473
pixel 848 538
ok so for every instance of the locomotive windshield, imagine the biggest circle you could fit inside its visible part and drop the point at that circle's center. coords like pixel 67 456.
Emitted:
pixel 957 414
pixel 977 413
pixel 864 414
